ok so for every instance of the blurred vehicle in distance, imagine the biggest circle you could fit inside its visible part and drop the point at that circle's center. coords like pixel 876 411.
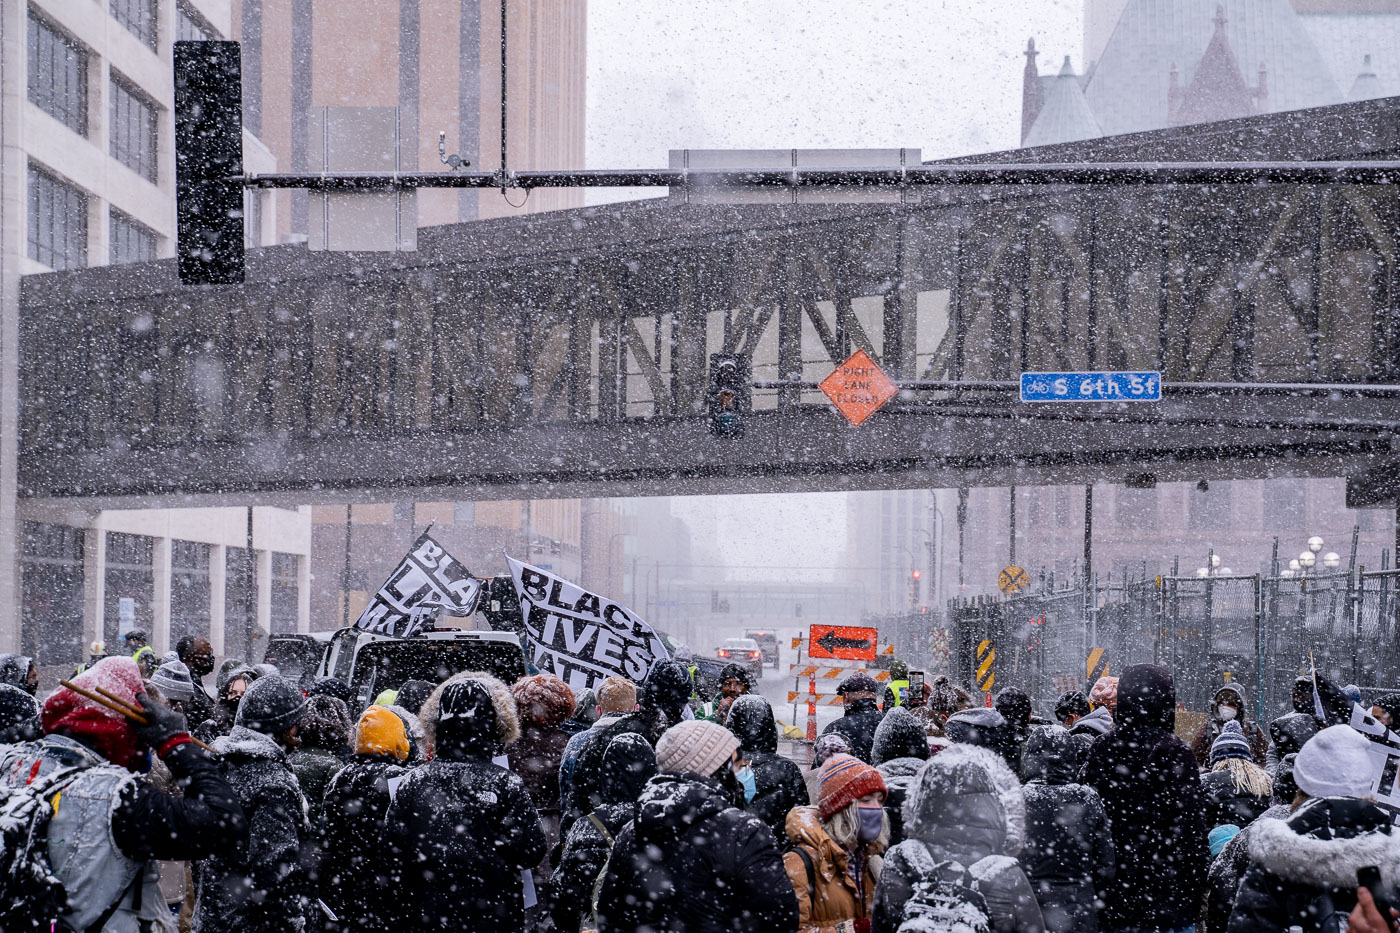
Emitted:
pixel 743 651
pixel 767 643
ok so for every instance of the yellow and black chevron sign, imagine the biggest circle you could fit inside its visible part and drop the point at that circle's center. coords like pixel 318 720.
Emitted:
pixel 1096 666
pixel 986 658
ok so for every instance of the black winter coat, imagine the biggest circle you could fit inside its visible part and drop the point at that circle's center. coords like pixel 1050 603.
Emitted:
pixel 691 861
pixel 778 781
pixel 1227 871
pixel 899 751
pixel 263 884
pixel 858 726
pixel 314 768
pixel 354 872
pixel 1225 804
pixel 585 790
pixel 628 764
pixel 1303 869
pixel 1151 790
pixel 475 823
pixel 1288 734
pixel 1068 855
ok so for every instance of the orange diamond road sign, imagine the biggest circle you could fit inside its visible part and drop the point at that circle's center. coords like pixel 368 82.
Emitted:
pixel 859 388
pixel 848 642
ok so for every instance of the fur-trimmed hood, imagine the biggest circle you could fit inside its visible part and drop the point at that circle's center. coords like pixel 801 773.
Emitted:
pixel 507 723
pixel 1296 851
pixel 966 804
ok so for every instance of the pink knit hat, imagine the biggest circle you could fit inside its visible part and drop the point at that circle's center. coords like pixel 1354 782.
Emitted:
pixel 844 779
pixel 1105 692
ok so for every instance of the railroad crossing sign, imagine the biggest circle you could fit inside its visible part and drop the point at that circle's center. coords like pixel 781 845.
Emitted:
pixel 847 642
pixel 986 657
pixel 1012 579
pixel 1096 666
pixel 858 388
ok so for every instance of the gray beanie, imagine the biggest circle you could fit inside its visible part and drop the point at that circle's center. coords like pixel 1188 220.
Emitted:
pixel 270 705
pixel 172 679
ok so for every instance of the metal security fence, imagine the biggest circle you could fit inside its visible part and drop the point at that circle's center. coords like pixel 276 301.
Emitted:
pixel 1259 631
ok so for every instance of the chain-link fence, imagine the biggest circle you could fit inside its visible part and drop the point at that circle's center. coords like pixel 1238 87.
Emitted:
pixel 1258 631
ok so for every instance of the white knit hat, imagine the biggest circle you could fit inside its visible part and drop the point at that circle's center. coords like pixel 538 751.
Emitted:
pixel 695 745
pixel 1335 763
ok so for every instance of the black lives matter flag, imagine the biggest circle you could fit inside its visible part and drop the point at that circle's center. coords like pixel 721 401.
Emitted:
pixel 427 581
pixel 581 637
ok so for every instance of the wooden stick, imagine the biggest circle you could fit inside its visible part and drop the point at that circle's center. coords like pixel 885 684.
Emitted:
pixel 117 704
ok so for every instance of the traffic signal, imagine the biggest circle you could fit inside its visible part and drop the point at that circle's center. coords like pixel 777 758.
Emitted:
pixel 730 397
pixel 914 587
pixel 208 162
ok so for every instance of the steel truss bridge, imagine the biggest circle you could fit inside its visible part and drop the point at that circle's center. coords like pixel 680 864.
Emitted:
pixel 566 353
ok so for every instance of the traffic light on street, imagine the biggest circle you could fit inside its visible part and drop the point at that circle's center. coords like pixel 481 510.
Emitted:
pixel 208 162
pixel 914 587
pixel 730 397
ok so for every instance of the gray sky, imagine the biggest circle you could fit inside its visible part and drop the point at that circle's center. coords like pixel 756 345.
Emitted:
pixel 943 76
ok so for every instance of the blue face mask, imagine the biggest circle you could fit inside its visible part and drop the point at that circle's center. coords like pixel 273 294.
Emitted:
pixel 872 821
pixel 746 778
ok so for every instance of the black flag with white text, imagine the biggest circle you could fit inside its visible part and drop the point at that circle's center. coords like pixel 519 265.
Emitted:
pixel 427 581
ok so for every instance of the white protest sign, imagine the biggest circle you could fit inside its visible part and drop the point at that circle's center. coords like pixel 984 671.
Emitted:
pixel 1385 756
pixel 581 637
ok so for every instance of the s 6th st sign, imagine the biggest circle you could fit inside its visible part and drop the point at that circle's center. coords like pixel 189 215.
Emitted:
pixel 1091 387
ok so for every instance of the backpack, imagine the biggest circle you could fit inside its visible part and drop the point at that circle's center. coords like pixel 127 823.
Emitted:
pixel 31 896
pixel 945 901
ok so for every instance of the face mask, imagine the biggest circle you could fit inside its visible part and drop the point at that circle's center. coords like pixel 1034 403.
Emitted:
pixel 1227 712
pixel 872 821
pixel 746 780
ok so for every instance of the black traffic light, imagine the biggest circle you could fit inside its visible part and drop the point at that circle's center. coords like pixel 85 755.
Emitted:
pixel 208 162
pixel 730 395
pixel 914 587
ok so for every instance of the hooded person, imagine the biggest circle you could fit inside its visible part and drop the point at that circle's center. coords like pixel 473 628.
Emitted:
pixel 233 681
pixel 1151 790
pixel 899 750
pixel 1289 732
pixel 777 782
pixel 263 884
pixel 1228 706
pixel 413 694
pixel 861 715
pixel 691 859
pixel 1236 789
pixel 585 714
pixel 354 871
pixel 837 847
pixel 18 670
pixel 985 728
pixel 1068 855
pixel 1071 707
pixel 1303 870
pixel 735 680
pixel 324 731
pixel 944 698
pixel 663 699
pixel 19 716
pixel 628 763
pixel 1016 708
pixel 833 743
pixel 465 815
pixel 964 823
pixel 197 654
pixel 330 687
pixel 108 826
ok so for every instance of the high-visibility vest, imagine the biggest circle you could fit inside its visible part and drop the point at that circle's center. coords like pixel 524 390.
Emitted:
pixel 899 688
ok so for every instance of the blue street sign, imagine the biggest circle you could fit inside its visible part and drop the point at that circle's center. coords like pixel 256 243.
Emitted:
pixel 1091 387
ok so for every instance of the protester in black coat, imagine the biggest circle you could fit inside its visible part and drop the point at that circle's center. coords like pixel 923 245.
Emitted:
pixel 862 716
pixel 900 750
pixel 1015 707
pixel 628 763
pixel 778 781
pixel 1289 732
pixel 692 860
pixel 469 819
pixel 19 716
pixel 1235 789
pixel 1151 789
pixel 661 704
pixel 263 885
pixel 1068 855
pixel 985 728
pixel 354 872
pixel 232 682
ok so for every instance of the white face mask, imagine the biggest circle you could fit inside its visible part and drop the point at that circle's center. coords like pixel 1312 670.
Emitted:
pixel 1226 712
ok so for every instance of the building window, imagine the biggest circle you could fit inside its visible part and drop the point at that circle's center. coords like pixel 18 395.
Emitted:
pixel 1285 505
pixel 285 578
pixel 189 589
pixel 139 18
pixel 57 75
pixel 52 585
pixel 130 587
pixel 190 26
pixel 131 241
pixel 133 129
pixel 57 222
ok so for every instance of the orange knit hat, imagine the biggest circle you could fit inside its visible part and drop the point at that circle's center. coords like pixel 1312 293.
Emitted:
pixel 844 779
pixel 380 732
